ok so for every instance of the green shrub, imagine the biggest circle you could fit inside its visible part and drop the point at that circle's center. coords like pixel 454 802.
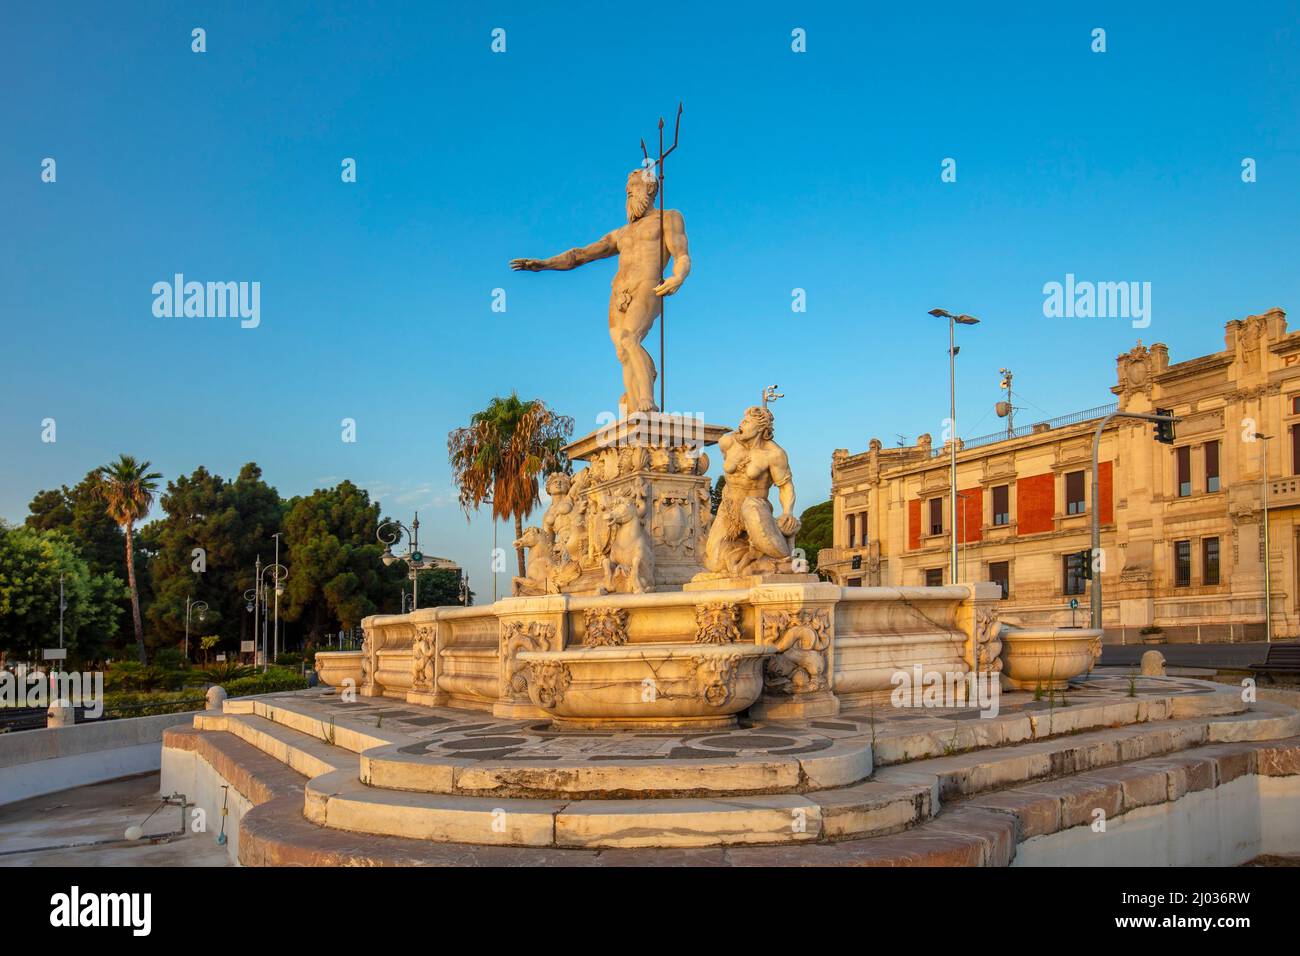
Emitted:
pixel 293 660
pixel 133 676
pixel 272 682
pixel 170 658
pixel 226 671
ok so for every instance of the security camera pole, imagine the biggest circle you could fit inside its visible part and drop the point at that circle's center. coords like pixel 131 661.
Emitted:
pixel 1164 433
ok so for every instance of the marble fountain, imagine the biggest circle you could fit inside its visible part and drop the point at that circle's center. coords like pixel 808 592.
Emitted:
pixel 672 681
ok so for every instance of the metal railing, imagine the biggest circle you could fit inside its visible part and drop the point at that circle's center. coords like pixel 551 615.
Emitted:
pixel 1075 418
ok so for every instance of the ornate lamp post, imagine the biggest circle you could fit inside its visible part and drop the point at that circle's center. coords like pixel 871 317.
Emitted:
pixel 389 533
pixel 202 608
pixel 253 603
pixel 259 601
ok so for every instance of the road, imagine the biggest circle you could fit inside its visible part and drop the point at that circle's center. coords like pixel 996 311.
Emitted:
pixel 1235 656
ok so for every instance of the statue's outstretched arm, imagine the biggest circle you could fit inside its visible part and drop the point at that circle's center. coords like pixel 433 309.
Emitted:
pixel 675 243
pixel 602 248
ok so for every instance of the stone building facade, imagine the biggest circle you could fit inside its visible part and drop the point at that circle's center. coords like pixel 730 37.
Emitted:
pixel 1181 535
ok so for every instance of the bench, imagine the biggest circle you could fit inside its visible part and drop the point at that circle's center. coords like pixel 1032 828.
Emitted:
pixel 1281 659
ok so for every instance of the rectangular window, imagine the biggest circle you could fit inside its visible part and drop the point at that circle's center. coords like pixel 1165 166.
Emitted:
pixel 862 529
pixel 1001 505
pixel 1072 565
pixel 1211 466
pixel 1295 404
pixel 936 516
pixel 853 536
pixel 934 578
pixel 1295 450
pixel 1074 500
pixel 1209 560
pixel 1182 564
pixel 1183 465
pixel 855 582
pixel 1000 574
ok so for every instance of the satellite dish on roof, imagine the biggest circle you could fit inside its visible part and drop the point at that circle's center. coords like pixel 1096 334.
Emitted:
pixel 1003 409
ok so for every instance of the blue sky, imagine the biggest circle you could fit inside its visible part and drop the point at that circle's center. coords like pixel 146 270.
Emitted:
pixel 818 171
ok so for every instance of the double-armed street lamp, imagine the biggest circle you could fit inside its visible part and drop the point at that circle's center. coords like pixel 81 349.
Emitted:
pixel 953 322
pixel 256 597
pixel 190 606
pixel 389 533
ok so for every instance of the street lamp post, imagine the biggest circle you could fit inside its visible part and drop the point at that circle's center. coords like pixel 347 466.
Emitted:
pixel 63 606
pixel 1268 576
pixel 202 608
pixel 280 572
pixel 415 559
pixel 963 496
pixel 252 600
pixel 953 322
pixel 279 589
pixel 1095 589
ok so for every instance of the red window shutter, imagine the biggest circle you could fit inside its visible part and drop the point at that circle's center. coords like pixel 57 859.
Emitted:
pixel 1035 503
pixel 972 513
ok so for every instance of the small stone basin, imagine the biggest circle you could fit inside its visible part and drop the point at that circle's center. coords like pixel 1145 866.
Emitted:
pixel 1048 658
pixel 646 686
pixel 334 667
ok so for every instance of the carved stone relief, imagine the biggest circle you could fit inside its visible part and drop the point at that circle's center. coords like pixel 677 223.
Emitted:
pixel 801 639
pixel 717 622
pixel 605 626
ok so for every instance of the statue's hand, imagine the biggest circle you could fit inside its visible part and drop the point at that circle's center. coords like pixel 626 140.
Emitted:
pixel 668 286
pixel 531 265
pixel 788 524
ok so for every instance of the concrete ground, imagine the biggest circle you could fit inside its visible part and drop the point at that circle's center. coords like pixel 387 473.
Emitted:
pixel 42 828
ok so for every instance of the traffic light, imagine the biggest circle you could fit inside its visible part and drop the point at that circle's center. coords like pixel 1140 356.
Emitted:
pixel 857 562
pixel 1165 429
pixel 1084 560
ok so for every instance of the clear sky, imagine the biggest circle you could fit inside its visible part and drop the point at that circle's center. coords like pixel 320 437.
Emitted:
pixel 818 170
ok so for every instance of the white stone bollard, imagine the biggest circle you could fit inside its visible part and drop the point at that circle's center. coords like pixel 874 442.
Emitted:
pixel 1153 664
pixel 60 714
pixel 216 696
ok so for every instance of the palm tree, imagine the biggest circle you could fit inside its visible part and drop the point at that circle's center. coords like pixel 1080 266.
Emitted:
pixel 499 456
pixel 127 487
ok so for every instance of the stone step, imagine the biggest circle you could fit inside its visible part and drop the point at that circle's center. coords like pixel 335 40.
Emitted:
pixel 354 733
pixel 983 831
pixel 413 767
pixel 935 736
pixel 340 801
pixel 979 771
pixel 301 752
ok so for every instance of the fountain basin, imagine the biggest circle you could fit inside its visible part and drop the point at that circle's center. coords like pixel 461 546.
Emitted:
pixel 334 667
pixel 646 686
pixel 1048 657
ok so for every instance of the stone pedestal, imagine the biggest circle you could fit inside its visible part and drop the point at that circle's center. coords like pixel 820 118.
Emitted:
pixel 526 624
pixel 796 620
pixel 650 464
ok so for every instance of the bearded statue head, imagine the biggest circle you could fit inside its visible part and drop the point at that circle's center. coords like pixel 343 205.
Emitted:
pixel 642 187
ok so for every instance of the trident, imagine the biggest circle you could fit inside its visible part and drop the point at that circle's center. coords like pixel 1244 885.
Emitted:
pixel 663 250
pixel 770 394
